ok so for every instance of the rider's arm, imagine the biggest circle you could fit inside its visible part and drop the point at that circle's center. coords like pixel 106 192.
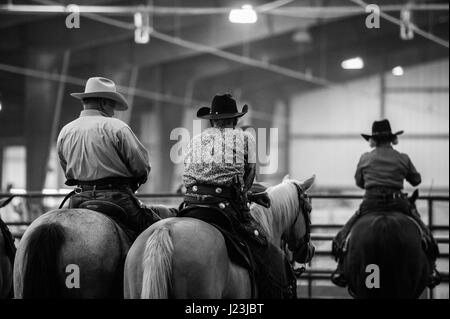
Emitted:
pixel 359 177
pixel 134 154
pixel 59 148
pixel 413 177
pixel 250 161
pixel 249 176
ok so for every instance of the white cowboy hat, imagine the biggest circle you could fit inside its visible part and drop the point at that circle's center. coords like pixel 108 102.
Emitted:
pixel 104 88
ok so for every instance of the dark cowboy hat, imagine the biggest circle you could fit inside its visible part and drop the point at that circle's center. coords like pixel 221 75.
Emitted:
pixel 381 129
pixel 222 107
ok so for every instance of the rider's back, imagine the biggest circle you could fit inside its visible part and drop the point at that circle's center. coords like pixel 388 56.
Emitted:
pixel 386 167
pixel 96 147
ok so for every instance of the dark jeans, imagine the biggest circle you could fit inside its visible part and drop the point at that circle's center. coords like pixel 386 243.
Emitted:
pixel 402 205
pixel 139 217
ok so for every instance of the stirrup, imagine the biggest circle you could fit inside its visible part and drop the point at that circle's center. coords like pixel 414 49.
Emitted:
pixel 338 279
pixel 435 279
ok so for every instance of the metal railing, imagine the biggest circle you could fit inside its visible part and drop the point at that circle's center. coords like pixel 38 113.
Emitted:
pixel 312 273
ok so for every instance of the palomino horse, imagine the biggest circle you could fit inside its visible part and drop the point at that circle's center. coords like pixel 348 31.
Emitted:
pixel 6 265
pixel 385 258
pixel 187 258
pixel 71 253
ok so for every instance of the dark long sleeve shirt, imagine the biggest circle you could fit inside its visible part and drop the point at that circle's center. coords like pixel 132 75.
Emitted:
pixel 386 167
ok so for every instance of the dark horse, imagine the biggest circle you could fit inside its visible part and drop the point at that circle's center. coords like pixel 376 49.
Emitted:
pixel 6 258
pixel 393 242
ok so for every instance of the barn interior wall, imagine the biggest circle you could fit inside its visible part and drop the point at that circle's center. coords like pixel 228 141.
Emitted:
pixel 326 123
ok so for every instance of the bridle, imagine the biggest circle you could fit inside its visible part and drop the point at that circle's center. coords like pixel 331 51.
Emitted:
pixel 302 247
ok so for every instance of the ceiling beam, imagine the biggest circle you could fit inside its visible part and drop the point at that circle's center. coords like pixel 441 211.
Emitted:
pixel 213 33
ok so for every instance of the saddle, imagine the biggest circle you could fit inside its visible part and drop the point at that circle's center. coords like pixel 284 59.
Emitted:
pixel 107 208
pixel 112 211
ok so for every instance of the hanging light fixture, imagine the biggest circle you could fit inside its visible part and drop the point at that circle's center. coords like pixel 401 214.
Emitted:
pixel 356 63
pixel 142 24
pixel 245 15
pixel 406 27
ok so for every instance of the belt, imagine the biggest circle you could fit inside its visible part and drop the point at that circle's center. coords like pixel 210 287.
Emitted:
pixel 88 187
pixel 390 196
pixel 200 191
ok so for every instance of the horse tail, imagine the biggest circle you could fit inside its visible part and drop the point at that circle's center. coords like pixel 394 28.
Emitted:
pixel 157 265
pixel 389 254
pixel 40 279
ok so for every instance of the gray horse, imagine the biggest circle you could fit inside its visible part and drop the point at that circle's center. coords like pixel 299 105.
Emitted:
pixel 72 253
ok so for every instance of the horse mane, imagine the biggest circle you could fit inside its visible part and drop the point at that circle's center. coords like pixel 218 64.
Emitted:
pixel 284 206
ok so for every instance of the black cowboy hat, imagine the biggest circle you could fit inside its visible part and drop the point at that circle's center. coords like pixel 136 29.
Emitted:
pixel 222 107
pixel 381 129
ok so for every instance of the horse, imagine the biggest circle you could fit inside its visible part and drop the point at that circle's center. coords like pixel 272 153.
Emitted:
pixel 71 253
pixel 186 258
pixel 385 257
pixel 6 270
pixel 6 262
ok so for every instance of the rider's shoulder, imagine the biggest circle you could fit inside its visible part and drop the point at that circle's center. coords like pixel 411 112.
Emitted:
pixel 367 155
pixel 403 155
pixel 117 124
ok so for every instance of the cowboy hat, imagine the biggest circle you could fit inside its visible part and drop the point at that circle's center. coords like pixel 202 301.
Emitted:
pixel 103 88
pixel 222 107
pixel 381 129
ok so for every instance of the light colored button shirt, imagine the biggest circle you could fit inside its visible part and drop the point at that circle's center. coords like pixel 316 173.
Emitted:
pixel 219 157
pixel 96 146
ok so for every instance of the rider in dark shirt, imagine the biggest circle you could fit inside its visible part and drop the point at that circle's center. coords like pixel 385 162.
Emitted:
pixel 381 173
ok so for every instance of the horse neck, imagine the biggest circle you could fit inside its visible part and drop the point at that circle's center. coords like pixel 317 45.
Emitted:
pixel 278 219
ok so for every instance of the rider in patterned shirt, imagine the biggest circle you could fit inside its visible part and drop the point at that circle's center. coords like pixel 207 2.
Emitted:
pixel 222 161
pixel 219 156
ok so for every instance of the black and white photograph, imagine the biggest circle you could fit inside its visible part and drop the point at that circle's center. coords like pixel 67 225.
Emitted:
pixel 237 150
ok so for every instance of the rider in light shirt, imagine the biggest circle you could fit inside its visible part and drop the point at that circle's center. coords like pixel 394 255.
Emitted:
pixel 102 157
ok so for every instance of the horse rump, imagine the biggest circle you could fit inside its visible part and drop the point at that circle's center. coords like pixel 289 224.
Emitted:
pixel 385 258
pixel 41 271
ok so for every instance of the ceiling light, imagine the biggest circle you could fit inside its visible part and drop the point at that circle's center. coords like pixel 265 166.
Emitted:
pixel 353 64
pixel 398 71
pixel 244 15
pixel 142 31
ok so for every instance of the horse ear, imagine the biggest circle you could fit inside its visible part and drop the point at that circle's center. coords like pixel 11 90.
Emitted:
pixel 308 183
pixel 4 202
pixel 286 178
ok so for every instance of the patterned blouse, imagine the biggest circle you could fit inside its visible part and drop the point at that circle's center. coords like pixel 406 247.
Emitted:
pixel 219 157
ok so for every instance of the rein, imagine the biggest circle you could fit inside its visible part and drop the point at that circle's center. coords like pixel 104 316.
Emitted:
pixel 304 209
